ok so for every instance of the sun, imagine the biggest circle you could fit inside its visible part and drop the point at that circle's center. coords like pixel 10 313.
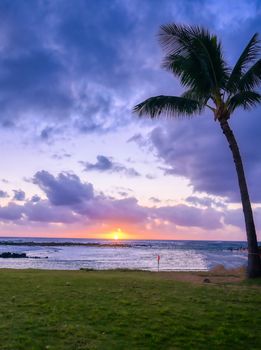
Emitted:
pixel 117 234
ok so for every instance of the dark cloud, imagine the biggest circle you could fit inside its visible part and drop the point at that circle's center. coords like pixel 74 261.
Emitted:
pixel 155 200
pixel 44 211
pixel 47 133
pixel 3 194
pixel 205 201
pixel 106 164
pixel 150 176
pixel 7 124
pixel 62 155
pixel 35 198
pixel 76 62
pixel 25 84
pixel 65 189
pixel 66 61
pixel 196 149
pixel 11 212
pixel 123 194
pixel 139 139
pixel 19 195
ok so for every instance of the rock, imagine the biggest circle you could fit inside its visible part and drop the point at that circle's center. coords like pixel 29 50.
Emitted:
pixel 8 255
pixel 206 280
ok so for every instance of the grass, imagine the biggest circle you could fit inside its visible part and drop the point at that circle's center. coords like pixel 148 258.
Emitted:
pixel 106 310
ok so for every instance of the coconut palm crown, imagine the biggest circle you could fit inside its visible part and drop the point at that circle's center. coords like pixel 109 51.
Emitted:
pixel 195 56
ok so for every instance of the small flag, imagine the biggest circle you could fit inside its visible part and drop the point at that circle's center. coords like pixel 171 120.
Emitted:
pixel 158 262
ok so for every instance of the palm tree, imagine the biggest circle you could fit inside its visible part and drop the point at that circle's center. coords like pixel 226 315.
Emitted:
pixel 195 57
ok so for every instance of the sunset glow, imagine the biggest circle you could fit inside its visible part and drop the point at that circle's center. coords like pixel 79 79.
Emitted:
pixel 117 234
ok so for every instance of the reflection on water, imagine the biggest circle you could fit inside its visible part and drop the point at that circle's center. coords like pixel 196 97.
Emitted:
pixel 175 255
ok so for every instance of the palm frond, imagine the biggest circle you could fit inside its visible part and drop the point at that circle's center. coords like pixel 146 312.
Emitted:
pixel 249 54
pixel 193 52
pixel 244 99
pixel 192 94
pixel 168 105
pixel 252 78
pixel 188 72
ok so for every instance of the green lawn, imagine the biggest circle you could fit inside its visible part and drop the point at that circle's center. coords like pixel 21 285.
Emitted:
pixel 73 310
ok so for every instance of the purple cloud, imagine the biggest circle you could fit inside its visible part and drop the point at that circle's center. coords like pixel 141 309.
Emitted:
pixel 205 201
pixel 65 189
pixel 44 211
pixel 19 195
pixel 184 215
pixel 70 200
pixel 11 212
pixel 106 164
pixel 3 194
pixel 197 150
pixel 35 198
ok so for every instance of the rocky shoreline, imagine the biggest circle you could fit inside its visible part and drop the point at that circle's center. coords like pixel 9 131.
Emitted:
pixel 9 255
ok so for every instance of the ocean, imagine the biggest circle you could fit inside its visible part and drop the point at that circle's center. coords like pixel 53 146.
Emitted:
pixel 74 254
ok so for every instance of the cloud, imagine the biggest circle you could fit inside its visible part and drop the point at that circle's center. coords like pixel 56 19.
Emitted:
pixel 49 132
pixel 205 201
pixel 78 67
pixel 197 150
pixel 155 200
pixel 3 194
pixel 35 198
pixel 19 195
pixel 44 211
pixel 188 216
pixel 235 217
pixel 62 155
pixel 73 202
pixel 232 13
pixel 106 164
pixel 106 209
pixel 69 200
pixel 25 85
pixel 11 212
pixel 65 189
pixel 139 139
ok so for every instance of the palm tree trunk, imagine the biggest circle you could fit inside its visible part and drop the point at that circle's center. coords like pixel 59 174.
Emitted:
pixel 254 261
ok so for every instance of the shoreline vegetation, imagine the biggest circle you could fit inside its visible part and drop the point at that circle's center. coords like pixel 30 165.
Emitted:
pixel 64 310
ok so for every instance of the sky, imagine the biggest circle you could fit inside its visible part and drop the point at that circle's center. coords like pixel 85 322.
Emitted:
pixel 75 160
